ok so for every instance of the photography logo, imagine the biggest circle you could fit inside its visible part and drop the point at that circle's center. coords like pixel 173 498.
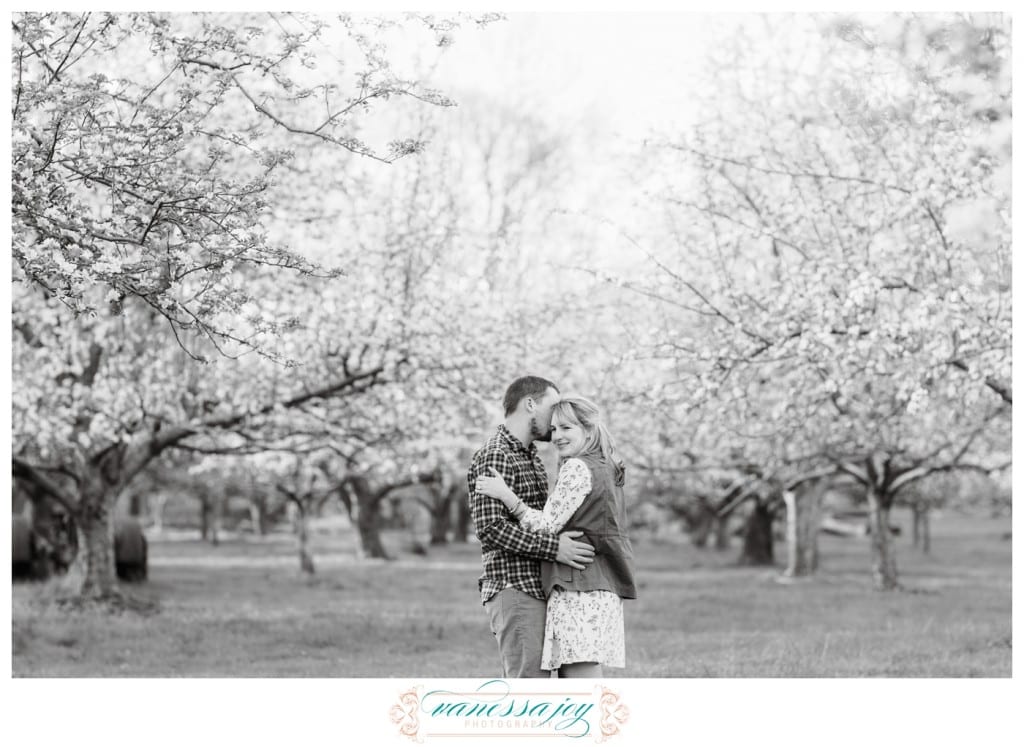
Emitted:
pixel 495 710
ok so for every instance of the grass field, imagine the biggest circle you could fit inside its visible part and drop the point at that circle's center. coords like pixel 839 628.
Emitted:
pixel 243 609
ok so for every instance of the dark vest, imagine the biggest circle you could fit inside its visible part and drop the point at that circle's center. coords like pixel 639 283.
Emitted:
pixel 602 519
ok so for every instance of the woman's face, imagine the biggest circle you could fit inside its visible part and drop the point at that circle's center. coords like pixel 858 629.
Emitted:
pixel 567 437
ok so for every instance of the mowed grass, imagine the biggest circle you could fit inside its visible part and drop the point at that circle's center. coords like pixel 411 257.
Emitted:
pixel 243 609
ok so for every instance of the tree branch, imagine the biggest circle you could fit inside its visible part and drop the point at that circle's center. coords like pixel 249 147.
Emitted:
pixel 362 151
pixel 1004 390
pixel 36 52
pixel 855 471
pixel 920 473
pixel 32 474
pixel 171 436
pixel 792 174
pixel 71 47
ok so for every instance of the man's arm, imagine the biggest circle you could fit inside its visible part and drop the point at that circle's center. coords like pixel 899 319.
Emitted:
pixel 495 527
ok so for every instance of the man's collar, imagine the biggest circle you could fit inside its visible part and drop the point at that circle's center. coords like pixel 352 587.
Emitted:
pixel 514 442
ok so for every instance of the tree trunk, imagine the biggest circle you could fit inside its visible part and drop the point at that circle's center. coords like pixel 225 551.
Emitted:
pixel 441 517
pixel 883 561
pixel 721 530
pixel 926 531
pixel 922 528
pixel 96 527
pixel 462 517
pixel 204 516
pixel 254 518
pixel 302 533
pixel 439 525
pixel 258 516
pixel 803 518
pixel 55 536
pixel 758 546
pixel 158 512
pixel 368 519
pixel 216 511
pixel 101 482
pixel 701 521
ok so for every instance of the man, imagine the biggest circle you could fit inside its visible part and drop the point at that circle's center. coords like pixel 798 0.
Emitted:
pixel 510 587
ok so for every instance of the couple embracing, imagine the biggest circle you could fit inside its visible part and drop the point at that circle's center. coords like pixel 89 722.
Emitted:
pixel 556 568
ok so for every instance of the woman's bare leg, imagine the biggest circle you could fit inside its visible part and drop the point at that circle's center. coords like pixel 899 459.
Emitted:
pixel 580 669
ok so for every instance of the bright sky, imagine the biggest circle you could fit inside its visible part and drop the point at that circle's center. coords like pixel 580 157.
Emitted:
pixel 608 80
pixel 627 69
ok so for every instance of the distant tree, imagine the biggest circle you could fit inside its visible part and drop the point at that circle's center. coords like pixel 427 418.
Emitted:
pixel 446 492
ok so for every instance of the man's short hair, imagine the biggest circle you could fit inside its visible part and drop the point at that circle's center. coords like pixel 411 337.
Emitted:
pixel 525 386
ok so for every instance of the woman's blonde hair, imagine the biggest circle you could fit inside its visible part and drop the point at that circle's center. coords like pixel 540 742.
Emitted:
pixel 597 441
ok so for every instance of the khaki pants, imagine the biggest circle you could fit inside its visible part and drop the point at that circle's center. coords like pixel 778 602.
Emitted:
pixel 517 621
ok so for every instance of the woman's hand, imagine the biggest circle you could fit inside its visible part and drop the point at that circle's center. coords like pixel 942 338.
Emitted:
pixel 494 485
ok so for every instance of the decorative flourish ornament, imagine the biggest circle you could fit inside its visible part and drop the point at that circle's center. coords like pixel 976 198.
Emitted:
pixel 613 714
pixel 405 713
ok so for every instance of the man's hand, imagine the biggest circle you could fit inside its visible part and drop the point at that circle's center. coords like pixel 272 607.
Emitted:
pixel 572 553
pixel 494 486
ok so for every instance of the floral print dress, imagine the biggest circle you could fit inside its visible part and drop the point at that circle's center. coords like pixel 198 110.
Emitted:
pixel 581 626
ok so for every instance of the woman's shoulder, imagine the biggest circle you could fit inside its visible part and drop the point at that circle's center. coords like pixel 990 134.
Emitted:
pixel 575 467
pixel 600 468
pixel 591 462
pixel 575 476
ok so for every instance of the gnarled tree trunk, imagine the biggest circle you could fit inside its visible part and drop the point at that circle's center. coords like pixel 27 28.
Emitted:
pixel 102 476
pixel 367 506
pixel 95 519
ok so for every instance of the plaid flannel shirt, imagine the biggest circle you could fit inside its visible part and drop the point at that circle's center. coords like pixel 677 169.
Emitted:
pixel 511 555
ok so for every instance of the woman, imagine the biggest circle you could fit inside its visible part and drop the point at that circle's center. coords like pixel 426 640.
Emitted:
pixel 584 627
